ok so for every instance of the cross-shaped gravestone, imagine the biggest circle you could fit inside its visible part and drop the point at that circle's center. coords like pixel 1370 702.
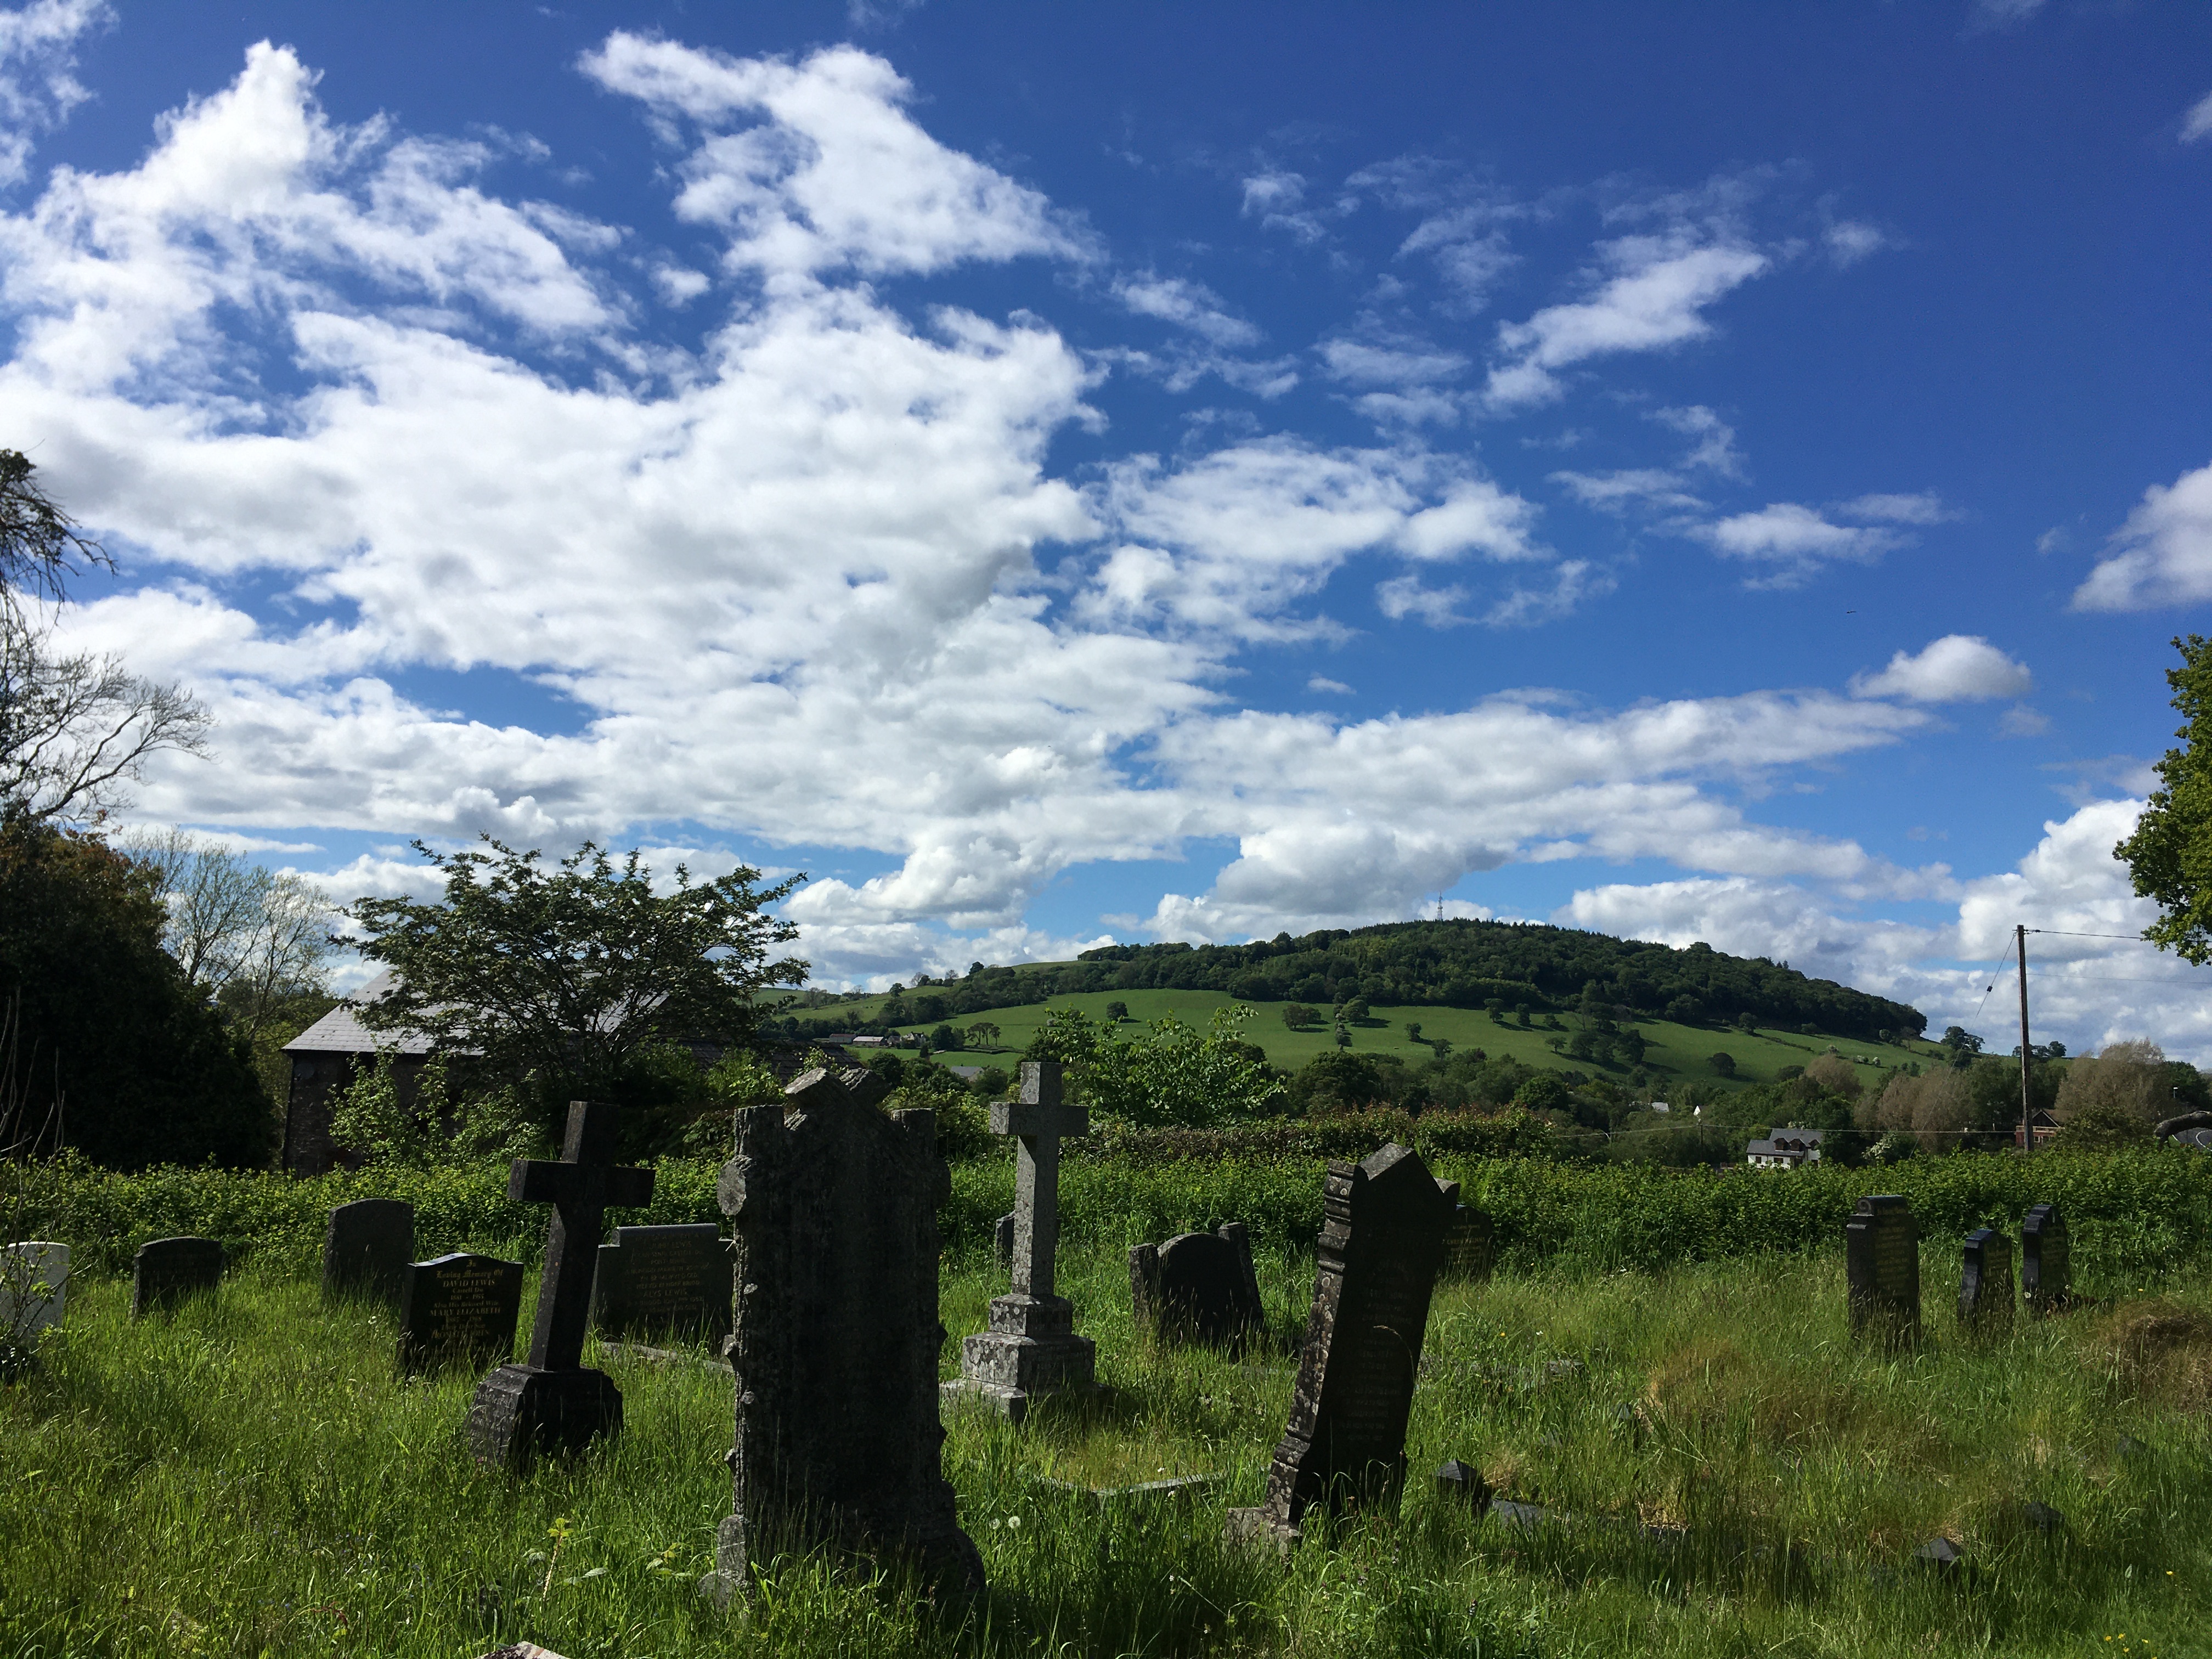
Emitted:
pixel 1031 1347
pixel 551 1402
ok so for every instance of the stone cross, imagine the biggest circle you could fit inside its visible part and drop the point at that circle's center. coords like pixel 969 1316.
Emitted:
pixel 1039 1118
pixel 581 1188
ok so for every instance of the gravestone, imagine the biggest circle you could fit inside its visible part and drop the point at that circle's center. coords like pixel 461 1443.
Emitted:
pixel 366 1247
pixel 1032 1349
pixel 1471 1245
pixel 2047 1263
pixel 167 1270
pixel 1344 1443
pixel 1002 1242
pixel 34 1289
pixel 551 1403
pixel 1198 1287
pixel 663 1281
pixel 1460 1483
pixel 1985 1283
pixel 1881 1262
pixel 458 1309
pixel 833 1216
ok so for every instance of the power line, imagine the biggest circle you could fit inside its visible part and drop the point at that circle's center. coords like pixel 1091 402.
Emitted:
pixel 2070 932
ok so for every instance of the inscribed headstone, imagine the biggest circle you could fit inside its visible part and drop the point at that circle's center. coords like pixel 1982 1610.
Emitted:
pixel 2046 1276
pixel 663 1281
pixel 1198 1287
pixel 833 1211
pixel 1881 1261
pixel 1031 1348
pixel 1381 1247
pixel 367 1247
pixel 34 1289
pixel 1470 1248
pixel 458 1309
pixel 1986 1282
pixel 167 1270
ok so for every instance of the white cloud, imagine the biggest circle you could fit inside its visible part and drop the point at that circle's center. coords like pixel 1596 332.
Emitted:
pixel 1630 487
pixel 679 285
pixel 1321 683
pixel 2164 552
pixel 1957 668
pixel 2021 721
pixel 1407 596
pixel 1849 241
pixel 2198 123
pixel 39 85
pixel 2000 14
pixel 1796 540
pixel 1716 450
pixel 1188 304
pixel 1372 365
pixel 1277 198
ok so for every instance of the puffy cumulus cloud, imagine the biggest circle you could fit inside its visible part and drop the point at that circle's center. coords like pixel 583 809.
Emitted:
pixel 1747 917
pixel 38 74
pixel 1795 541
pixel 2163 552
pixel 1957 668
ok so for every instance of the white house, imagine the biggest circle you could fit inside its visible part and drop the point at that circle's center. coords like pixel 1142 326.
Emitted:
pixel 1785 1150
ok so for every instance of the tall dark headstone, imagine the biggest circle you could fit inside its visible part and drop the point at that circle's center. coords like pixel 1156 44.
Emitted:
pixel 654 1281
pixel 1380 1250
pixel 552 1403
pixel 1031 1348
pixel 833 1211
pixel 1881 1262
pixel 167 1270
pixel 1198 1287
pixel 1985 1283
pixel 2046 1262
pixel 1471 1247
pixel 366 1247
pixel 458 1309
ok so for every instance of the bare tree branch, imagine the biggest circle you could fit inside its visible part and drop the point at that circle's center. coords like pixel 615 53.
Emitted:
pixel 37 538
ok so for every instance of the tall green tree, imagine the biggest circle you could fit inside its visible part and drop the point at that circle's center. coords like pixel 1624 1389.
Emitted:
pixel 582 974
pixel 2170 855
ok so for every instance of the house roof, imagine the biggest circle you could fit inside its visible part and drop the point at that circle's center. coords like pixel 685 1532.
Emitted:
pixel 340 1032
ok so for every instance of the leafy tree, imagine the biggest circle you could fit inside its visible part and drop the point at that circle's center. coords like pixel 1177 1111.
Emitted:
pixel 1412 1030
pixel 1440 1049
pixel 2126 1077
pixel 1299 1017
pixel 1355 1011
pixel 982 1034
pixel 1521 1014
pixel 1117 1012
pixel 1961 1044
pixel 1173 1074
pixel 946 1038
pixel 1343 1035
pixel 2169 856
pixel 1543 1092
pixel 1723 1064
pixel 577 973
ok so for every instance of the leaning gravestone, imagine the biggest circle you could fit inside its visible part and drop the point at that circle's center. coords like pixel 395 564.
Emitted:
pixel 1470 1248
pixel 552 1402
pixel 2046 1278
pixel 663 1281
pixel 1345 1443
pixel 1198 1287
pixel 167 1270
pixel 1985 1283
pixel 833 1211
pixel 34 1289
pixel 458 1309
pixel 1881 1261
pixel 366 1247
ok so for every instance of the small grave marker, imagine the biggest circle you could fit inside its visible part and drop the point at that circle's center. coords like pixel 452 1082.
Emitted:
pixel 1198 1287
pixel 164 1271
pixel 1882 1259
pixel 1985 1283
pixel 1463 1484
pixel 2046 1260
pixel 663 1281
pixel 1471 1247
pixel 458 1309
pixel 366 1247
pixel 1344 1443
pixel 34 1289
pixel 552 1402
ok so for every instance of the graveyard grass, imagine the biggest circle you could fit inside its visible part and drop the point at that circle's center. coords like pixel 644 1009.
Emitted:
pixel 248 1477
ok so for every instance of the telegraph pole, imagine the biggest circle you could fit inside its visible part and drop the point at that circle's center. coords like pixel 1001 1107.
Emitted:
pixel 2026 1110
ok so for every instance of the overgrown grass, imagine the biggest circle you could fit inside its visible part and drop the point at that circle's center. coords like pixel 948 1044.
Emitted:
pixel 248 1477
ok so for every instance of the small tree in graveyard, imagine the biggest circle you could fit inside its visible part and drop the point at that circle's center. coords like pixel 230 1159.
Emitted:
pixel 574 976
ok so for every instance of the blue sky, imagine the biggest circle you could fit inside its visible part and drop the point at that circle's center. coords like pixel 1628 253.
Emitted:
pixel 1724 472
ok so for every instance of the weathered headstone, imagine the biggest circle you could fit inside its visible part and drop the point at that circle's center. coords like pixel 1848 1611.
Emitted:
pixel 34 1289
pixel 1380 1250
pixel 366 1247
pixel 1032 1349
pixel 833 1211
pixel 1471 1245
pixel 458 1309
pixel 552 1403
pixel 1985 1283
pixel 1881 1262
pixel 167 1270
pixel 663 1281
pixel 1002 1242
pixel 2046 1262
pixel 1198 1287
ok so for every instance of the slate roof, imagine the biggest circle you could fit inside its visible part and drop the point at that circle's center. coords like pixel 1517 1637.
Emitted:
pixel 339 1032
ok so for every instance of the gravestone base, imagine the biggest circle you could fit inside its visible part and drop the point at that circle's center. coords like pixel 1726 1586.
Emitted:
pixel 521 1412
pixel 1253 1529
pixel 1032 1350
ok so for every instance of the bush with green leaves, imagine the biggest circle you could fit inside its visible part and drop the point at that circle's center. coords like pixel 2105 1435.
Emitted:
pixel 1173 1073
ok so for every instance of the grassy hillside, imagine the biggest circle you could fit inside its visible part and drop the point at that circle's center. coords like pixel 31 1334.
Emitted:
pixel 1676 1051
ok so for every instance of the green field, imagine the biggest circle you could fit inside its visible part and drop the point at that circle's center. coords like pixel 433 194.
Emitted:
pixel 1676 1051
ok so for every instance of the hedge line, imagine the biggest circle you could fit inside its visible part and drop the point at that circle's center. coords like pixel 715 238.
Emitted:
pixel 2129 1212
